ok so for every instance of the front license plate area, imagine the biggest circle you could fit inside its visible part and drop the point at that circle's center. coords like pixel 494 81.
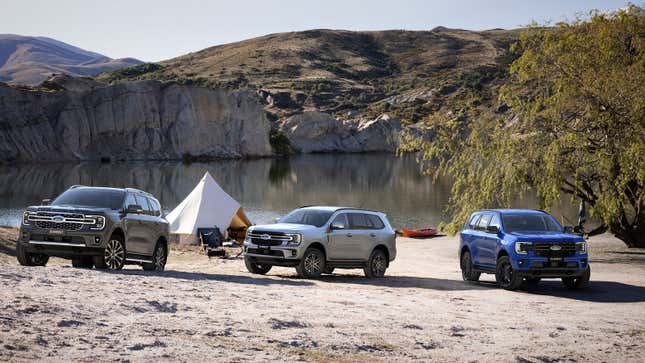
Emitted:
pixel 56 232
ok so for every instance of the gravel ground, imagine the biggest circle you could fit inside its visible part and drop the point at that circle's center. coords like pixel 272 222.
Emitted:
pixel 214 309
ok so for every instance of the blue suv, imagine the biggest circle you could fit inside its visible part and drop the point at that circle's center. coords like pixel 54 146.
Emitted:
pixel 521 246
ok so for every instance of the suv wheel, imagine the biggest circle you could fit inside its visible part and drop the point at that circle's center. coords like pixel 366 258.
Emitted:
pixel 579 282
pixel 158 259
pixel 376 265
pixel 82 262
pixel 467 273
pixel 256 268
pixel 312 263
pixel 505 275
pixel 114 256
pixel 30 259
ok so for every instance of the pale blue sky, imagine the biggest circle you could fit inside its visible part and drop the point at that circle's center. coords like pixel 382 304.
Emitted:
pixel 157 30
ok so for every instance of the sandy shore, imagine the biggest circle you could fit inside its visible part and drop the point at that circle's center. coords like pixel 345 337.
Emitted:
pixel 213 309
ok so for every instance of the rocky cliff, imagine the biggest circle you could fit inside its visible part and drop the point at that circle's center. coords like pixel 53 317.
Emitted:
pixel 80 119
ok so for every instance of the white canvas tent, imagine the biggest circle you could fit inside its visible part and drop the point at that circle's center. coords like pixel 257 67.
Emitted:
pixel 207 205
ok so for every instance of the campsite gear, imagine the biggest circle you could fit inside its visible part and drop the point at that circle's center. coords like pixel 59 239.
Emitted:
pixel 426 232
pixel 207 206
pixel 211 241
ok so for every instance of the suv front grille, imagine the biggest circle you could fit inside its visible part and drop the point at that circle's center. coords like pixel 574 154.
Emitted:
pixel 267 238
pixel 567 249
pixel 63 221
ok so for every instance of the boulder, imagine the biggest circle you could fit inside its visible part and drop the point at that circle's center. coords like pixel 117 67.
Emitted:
pixel 315 131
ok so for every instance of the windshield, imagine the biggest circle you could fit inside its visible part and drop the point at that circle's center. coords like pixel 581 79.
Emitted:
pixel 86 197
pixel 530 222
pixel 311 217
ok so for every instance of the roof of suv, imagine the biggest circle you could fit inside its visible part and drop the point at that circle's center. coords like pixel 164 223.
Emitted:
pixel 131 190
pixel 335 208
pixel 514 211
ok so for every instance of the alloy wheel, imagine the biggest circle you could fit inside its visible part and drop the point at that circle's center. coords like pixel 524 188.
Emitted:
pixel 114 254
pixel 160 258
pixel 313 263
pixel 378 265
pixel 507 273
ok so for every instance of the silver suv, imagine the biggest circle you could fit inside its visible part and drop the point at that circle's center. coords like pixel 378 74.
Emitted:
pixel 316 240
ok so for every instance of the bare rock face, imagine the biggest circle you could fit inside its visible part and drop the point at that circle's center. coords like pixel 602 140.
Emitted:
pixel 80 119
pixel 315 131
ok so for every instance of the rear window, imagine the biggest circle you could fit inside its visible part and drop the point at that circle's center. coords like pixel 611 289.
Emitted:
pixel 88 197
pixel 483 222
pixel 311 217
pixel 530 222
pixel 473 221
pixel 375 221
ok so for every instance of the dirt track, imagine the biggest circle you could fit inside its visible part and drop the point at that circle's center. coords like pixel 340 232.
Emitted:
pixel 421 311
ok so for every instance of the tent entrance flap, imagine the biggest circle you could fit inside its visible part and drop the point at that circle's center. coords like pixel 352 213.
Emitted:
pixel 207 206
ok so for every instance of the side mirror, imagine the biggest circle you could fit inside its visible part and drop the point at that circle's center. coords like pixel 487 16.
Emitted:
pixel 568 229
pixel 492 229
pixel 134 209
pixel 337 225
pixel 46 201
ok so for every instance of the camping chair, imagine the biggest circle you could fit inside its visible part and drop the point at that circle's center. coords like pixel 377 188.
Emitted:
pixel 211 241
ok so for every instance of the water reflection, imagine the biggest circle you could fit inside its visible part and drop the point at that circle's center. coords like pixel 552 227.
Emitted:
pixel 266 188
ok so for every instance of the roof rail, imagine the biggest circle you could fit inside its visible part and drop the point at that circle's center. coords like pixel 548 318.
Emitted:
pixel 76 186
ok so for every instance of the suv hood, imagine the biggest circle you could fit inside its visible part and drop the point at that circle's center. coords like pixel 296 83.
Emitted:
pixel 545 237
pixel 284 227
pixel 68 209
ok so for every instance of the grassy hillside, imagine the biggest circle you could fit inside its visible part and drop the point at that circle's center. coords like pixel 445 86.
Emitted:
pixel 410 74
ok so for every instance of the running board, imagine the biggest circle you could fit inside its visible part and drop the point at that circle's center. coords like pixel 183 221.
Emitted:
pixel 137 260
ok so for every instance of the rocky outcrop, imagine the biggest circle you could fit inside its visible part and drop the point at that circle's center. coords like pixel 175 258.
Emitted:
pixel 315 131
pixel 81 119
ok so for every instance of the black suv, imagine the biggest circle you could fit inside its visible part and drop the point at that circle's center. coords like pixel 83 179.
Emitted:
pixel 102 227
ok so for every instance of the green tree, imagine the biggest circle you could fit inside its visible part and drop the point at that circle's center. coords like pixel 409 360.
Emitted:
pixel 577 103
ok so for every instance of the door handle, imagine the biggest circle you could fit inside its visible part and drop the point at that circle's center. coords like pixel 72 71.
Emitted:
pixel 348 234
pixel 372 234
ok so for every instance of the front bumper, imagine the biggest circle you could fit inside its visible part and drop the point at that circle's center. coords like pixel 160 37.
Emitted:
pixel 277 255
pixel 62 243
pixel 549 268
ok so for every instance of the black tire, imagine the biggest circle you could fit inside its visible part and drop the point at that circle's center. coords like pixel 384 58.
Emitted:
pixel 376 265
pixel 30 259
pixel 82 262
pixel 505 275
pixel 312 264
pixel 328 270
pixel 114 255
pixel 467 271
pixel 256 268
pixel 580 282
pixel 159 258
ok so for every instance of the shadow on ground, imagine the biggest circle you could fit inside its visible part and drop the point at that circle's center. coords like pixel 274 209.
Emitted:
pixel 200 276
pixel 597 291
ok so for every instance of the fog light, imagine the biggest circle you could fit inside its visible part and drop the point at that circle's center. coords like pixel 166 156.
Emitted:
pixel 520 262
pixel 97 240
pixel 293 253
pixel 583 262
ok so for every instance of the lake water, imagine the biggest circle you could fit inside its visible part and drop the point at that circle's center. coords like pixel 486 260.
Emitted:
pixel 266 188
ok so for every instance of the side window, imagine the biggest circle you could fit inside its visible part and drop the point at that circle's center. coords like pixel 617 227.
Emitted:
pixel 473 221
pixel 155 207
pixel 129 200
pixel 495 222
pixel 358 221
pixel 375 221
pixel 148 207
pixel 483 221
pixel 342 219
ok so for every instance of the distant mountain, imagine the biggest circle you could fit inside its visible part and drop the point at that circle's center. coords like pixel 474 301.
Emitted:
pixel 408 74
pixel 30 60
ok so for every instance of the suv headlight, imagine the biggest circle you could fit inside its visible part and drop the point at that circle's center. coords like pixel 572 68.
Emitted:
pixel 295 239
pixel 522 248
pixel 99 223
pixel 25 217
pixel 581 247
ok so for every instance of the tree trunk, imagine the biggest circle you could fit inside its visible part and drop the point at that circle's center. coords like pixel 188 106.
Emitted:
pixel 632 234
